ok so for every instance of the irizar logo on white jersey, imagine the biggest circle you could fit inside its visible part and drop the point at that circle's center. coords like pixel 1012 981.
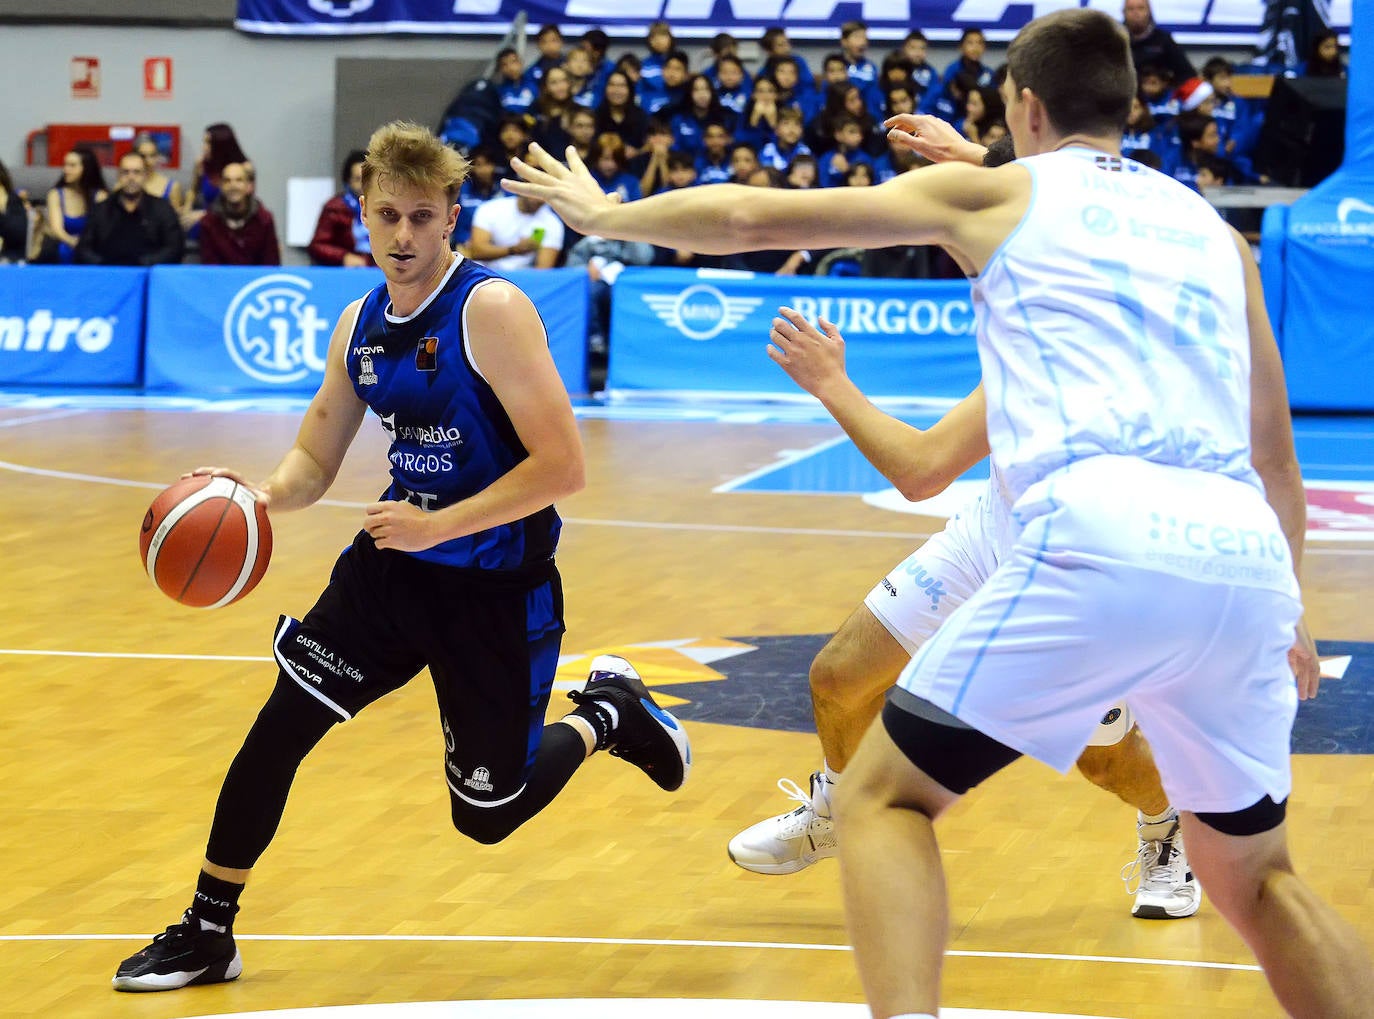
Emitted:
pixel 43 330
pixel 701 312
pixel 273 332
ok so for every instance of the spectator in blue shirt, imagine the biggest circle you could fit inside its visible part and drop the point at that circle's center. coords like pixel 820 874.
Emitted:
pixel 1142 134
pixel 776 45
pixel 854 45
pixel 743 162
pixel 514 90
pixel 701 108
pixel 549 41
pixel 671 88
pixel 786 144
pixel 651 86
pixel 847 150
pixel 972 45
pixel 596 43
pixel 608 163
pixel 712 164
pixel 732 82
pixel 481 185
pixel 1154 83
pixel 914 49
pixel 758 123
pixel 1199 140
pixel 1236 118
pixel 578 64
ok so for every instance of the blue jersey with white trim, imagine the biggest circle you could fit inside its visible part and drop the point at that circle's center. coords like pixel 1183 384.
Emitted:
pixel 1112 321
pixel 450 436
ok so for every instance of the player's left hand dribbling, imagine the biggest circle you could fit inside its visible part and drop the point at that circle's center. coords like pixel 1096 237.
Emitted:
pixel 400 525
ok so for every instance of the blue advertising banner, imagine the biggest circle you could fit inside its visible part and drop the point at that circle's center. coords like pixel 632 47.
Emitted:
pixel 686 332
pixel 1235 22
pixel 217 329
pixel 71 325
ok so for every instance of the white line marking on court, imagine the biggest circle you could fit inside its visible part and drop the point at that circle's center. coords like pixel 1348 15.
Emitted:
pixel 35 418
pixel 139 655
pixel 785 460
pixel 785 946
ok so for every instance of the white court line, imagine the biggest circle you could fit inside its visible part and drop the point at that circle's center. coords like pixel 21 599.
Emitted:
pixel 647 942
pixel 816 532
pixel 35 418
pixel 138 655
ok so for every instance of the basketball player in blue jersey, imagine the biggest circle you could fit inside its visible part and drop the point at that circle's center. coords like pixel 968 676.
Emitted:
pixel 454 567
pixel 863 659
pixel 1113 331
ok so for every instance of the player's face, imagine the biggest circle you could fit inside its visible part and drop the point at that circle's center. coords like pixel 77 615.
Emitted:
pixel 409 227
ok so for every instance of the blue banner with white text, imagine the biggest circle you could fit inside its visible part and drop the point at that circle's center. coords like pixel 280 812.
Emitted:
pixel 704 332
pixel 1233 22
pixel 230 329
pixel 71 325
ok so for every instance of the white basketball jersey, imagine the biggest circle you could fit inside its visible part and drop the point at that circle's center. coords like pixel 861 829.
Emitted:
pixel 1112 321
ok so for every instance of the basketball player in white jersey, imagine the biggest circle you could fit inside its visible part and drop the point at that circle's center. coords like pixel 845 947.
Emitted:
pixel 1113 331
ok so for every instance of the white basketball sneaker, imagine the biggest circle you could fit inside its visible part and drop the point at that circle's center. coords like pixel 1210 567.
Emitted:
pixel 793 841
pixel 1159 876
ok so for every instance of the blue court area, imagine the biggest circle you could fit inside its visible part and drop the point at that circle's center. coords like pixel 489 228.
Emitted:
pixel 1329 449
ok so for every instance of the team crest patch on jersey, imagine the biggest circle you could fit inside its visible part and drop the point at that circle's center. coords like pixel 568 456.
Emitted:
pixel 366 376
pixel 760 683
pixel 427 354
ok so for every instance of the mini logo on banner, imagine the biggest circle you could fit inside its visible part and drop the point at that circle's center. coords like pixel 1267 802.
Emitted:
pixel 701 312
pixel 340 8
pixel 273 332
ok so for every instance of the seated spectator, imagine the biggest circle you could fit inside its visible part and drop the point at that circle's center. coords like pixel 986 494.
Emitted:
pixel 1199 140
pixel 783 74
pixel 158 183
pixel 722 45
pixel 859 175
pixel 219 147
pixel 582 76
pixel 803 172
pixel 513 139
pixel 482 184
pixel 632 67
pixel 847 150
pixel 743 162
pixel 514 89
pixel 551 108
pixel 952 98
pixel 733 84
pixel 14 220
pixel 758 122
pixel 1152 45
pixel 778 47
pixel 651 165
pixel 619 114
pixel 894 161
pixel 608 165
pixel 1236 118
pixel 858 68
pixel 682 171
pixel 898 99
pixel 1156 95
pixel 238 230
pixel 712 164
pixel 923 75
pixel 701 109
pixel 1143 134
pixel 1212 173
pixel 511 232
pixel 983 108
pixel 972 45
pixel 340 236
pixel 131 227
pixel 1324 58
pixel 604 261
pixel 77 191
pixel 827 101
pixel 846 102
pixel 672 89
pixel 596 43
pixel 653 90
pixel 581 132
pixel 787 144
pixel 549 41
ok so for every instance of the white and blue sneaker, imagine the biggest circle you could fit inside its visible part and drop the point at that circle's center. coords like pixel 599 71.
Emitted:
pixel 640 731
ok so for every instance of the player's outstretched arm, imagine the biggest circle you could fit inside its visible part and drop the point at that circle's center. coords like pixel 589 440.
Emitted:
pixel 330 423
pixel 924 208
pixel 920 463
pixel 511 351
pixel 1272 450
pixel 932 138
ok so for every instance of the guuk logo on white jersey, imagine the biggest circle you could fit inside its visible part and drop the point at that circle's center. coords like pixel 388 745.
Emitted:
pixel 701 312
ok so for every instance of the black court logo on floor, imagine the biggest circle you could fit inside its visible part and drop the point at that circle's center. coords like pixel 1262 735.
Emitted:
pixel 765 687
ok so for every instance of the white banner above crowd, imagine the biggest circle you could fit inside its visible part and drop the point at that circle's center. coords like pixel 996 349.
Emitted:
pixel 1192 22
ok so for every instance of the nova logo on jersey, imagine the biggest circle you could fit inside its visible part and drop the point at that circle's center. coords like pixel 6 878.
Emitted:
pixel 701 312
pixel 273 332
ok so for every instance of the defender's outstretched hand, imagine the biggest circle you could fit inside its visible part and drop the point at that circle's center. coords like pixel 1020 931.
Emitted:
pixel 932 138
pixel 571 189
pixel 813 358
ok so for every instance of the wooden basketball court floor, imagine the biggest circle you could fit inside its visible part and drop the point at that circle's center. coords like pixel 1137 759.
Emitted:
pixel 123 709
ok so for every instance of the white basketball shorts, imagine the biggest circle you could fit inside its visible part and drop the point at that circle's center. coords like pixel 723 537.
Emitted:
pixel 1168 587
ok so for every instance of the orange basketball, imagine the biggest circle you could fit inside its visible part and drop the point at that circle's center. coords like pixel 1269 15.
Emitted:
pixel 206 541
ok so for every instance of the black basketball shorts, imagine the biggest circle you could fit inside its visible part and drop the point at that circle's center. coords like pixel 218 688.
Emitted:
pixel 490 641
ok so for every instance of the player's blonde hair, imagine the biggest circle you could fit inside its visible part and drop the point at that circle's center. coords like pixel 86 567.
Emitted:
pixel 404 153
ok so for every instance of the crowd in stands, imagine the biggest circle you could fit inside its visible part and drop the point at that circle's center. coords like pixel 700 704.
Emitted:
pixel 645 120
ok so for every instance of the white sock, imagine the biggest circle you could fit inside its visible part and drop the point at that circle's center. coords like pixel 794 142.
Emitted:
pixel 832 776
pixel 1153 828
pixel 206 925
